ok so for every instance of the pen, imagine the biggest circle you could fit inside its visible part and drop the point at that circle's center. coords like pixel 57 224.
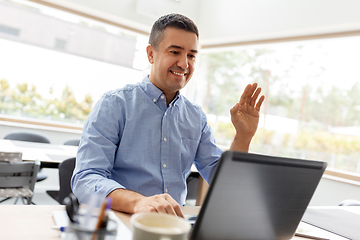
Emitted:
pixel 61 229
pixel 106 204
pixel 95 200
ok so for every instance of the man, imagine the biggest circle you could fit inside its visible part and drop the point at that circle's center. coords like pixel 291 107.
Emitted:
pixel 139 142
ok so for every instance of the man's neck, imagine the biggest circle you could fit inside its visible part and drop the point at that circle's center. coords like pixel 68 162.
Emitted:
pixel 170 97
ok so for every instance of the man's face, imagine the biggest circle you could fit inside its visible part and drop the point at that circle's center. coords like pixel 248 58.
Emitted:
pixel 173 62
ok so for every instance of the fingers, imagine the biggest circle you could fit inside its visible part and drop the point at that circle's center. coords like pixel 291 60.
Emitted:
pixel 162 203
pixel 258 105
pixel 250 96
pixel 255 96
pixel 175 206
pixel 251 93
pixel 244 97
pixel 163 206
pixel 234 109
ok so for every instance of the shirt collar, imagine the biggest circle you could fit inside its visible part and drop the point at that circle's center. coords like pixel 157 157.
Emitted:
pixel 153 92
pixel 150 89
pixel 177 96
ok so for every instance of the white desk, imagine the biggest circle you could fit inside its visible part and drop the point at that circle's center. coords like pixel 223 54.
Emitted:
pixel 50 155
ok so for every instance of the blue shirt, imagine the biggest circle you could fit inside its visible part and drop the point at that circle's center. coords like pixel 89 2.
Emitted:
pixel 132 140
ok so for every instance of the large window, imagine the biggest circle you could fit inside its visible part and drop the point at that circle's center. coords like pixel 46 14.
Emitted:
pixel 55 65
pixel 312 88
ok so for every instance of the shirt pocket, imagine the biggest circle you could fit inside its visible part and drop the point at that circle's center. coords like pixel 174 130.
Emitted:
pixel 188 152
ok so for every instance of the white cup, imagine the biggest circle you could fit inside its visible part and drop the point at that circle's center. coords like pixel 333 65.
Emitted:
pixel 158 226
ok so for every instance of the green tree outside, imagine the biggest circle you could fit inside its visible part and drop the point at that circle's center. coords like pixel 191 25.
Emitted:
pixel 315 108
pixel 25 101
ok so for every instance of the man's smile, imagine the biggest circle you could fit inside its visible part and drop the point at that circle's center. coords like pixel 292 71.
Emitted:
pixel 178 73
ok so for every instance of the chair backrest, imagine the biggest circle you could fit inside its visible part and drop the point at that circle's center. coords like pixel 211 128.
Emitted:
pixel 18 174
pixel 28 137
pixel 72 142
pixel 66 169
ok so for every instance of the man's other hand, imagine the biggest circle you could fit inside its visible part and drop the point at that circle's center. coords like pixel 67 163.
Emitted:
pixel 162 203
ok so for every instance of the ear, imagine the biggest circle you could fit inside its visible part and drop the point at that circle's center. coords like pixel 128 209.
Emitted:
pixel 150 53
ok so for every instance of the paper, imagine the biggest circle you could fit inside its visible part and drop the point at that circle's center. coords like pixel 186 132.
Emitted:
pixel 123 232
pixel 306 230
pixel 61 219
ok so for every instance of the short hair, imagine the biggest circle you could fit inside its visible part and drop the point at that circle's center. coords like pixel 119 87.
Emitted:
pixel 174 20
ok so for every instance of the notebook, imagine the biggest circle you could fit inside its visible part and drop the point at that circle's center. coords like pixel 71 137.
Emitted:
pixel 254 196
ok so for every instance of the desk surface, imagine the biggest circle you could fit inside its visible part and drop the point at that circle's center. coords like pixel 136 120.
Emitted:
pixel 48 153
pixel 36 222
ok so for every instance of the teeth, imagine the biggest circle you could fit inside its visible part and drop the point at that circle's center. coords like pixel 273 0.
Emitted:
pixel 179 74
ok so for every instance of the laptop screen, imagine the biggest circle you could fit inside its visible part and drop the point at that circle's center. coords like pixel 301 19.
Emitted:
pixel 255 196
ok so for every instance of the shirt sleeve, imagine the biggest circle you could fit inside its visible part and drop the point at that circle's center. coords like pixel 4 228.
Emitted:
pixel 208 153
pixel 96 153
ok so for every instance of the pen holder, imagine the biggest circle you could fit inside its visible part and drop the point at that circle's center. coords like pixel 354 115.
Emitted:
pixel 78 232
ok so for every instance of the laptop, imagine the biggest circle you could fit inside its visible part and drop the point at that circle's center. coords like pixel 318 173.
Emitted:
pixel 254 196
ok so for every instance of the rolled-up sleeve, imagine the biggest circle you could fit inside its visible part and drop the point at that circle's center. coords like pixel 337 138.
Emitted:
pixel 95 158
pixel 208 153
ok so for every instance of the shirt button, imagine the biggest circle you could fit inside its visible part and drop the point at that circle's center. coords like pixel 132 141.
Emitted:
pixel 154 100
pixel 165 139
pixel 166 190
pixel 162 97
pixel 165 114
pixel 164 165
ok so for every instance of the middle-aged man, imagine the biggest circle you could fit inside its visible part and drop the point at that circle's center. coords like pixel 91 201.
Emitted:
pixel 139 142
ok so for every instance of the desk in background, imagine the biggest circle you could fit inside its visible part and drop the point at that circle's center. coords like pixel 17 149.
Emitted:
pixel 50 155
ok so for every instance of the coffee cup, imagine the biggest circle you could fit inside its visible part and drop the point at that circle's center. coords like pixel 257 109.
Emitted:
pixel 158 226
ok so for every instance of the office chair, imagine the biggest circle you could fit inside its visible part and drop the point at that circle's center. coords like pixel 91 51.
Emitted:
pixel 66 169
pixel 72 142
pixel 192 182
pixel 30 137
pixel 17 179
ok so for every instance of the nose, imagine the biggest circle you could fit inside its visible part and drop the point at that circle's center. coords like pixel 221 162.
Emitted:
pixel 183 62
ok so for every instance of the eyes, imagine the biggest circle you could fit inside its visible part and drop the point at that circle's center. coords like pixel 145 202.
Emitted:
pixel 190 55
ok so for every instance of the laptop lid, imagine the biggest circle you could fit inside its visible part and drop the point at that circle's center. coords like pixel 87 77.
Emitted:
pixel 255 196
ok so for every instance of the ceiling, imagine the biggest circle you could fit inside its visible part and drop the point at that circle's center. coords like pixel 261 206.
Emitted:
pixel 226 22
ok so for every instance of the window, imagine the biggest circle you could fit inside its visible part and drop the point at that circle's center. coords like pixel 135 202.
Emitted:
pixel 60 63
pixel 55 65
pixel 312 106
pixel 9 30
